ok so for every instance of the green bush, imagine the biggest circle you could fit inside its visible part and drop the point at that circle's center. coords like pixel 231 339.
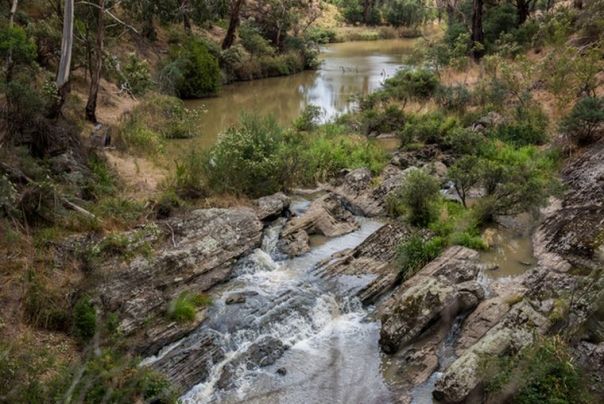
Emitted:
pixel 429 128
pixel 309 119
pixel 320 35
pixel 453 98
pixel 84 319
pixel 416 252
pixel 465 141
pixel 530 128
pixel 411 83
pixel 247 158
pixel 183 308
pixel 254 42
pixel 583 125
pixel 390 120
pixel 468 240
pixel 418 194
pixel 408 13
pixel 137 76
pixel 192 71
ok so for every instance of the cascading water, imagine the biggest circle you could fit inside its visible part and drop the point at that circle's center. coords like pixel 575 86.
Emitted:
pixel 292 337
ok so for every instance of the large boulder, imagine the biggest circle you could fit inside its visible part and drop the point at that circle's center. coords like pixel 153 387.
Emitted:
pixel 366 195
pixel 272 206
pixel 368 271
pixel 326 215
pixel 440 291
pixel 516 330
pixel 193 254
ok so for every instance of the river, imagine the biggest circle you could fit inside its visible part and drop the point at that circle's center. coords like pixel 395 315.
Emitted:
pixel 347 70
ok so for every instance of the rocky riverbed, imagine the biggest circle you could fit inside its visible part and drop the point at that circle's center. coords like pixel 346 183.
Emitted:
pixel 332 321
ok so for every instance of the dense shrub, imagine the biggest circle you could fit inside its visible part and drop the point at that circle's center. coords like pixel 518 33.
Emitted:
pixel 418 194
pixel 137 76
pixel 157 118
pixel 247 158
pixel 453 98
pixel 254 42
pixel 416 83
pixel 309 118
pixel 408 13
pixel 529 127
pixel 84 319
pixel 390 120
pixel 184 307
pixel 416 252
pixel 321 35
pixel 191 72
pixel 583 124
pixel 429 128
pixel 464 140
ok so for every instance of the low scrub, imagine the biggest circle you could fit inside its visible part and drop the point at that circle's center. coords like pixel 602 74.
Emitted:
pixel 184 307
pixel 416 252
pixel 584 124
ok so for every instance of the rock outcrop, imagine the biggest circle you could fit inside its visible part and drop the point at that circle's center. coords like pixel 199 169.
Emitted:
pixel 440 291
pixel 326 216
pixel 364 195
pixel 194 254
pixel 272 206
pixel 371 262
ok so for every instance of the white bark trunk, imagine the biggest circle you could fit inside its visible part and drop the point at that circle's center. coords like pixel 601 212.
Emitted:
pixel 13 10
pixel 66 45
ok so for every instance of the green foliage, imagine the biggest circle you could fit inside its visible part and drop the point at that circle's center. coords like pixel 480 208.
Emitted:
pixel 418 194
pixel 583 125
pixel 157 118
pixel 115 377
pixel 246 159
pixel 14 41
pixel 309 119
pixel 183 308
pixel 416 252
pixel 137 76
pixel 465 174
pixel 120 210
pixel 464 141
pixel 468 240
pixel 189 181
pixel 416 83
pixel 320 35
pixel 192 71
pixel 408 13
pixel 431 127
pixel 84 319
pixel 45 306
pixel 390 120
pixel 453 98
pixel 530 127
pixel 254 42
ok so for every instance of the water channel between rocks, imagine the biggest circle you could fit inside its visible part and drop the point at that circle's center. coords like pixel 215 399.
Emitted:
pixel 326 341
pixel 316 342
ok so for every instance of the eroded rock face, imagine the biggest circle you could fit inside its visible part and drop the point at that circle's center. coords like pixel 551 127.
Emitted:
pixel 272 206
pixel 363 196
pixel 573 227
pixel 441 290
pixel 326 215
pixel 371 262
pixel 515 331
pixel 197 253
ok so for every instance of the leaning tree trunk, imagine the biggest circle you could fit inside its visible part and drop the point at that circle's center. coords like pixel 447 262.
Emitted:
pixel 367 7
pixel 65 62
pixel 95 78
pixel 234 21
pixel 477 31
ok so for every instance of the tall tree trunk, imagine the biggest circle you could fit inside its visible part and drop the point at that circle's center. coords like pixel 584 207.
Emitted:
pixel 9 57
pixel 65 63
pixel 578 4
pixel 95 78
pixel 186 21
pixel 367 8
pixel 477 31
pixel 234 21
pixel 522 11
